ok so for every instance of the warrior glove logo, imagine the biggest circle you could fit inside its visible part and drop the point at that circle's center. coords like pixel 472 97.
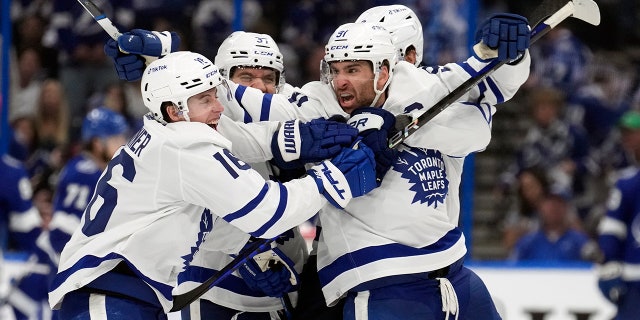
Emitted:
pixel 425 169
pixel 289 139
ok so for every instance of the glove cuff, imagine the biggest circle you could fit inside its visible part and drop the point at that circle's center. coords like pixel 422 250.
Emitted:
pixel 366 121
pixel 335 186
pixel 289 141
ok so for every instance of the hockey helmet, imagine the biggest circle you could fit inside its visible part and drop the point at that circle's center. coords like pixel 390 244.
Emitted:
pixel 103 123
pixel 402 23
pixel 248 49
pixel 360 41
pixel 177 77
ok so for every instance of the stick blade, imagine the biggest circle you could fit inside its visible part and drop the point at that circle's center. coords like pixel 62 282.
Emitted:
pixel 587 11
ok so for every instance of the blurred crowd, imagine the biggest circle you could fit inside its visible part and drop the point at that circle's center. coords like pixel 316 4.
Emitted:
pixel 583 80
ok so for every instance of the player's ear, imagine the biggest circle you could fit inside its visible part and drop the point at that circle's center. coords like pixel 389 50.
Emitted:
pixel 410 55
pixel 384 75
pixel 173 113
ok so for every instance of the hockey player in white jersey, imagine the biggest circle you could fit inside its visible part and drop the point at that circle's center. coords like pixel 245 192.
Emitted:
pixel 374 250
pixel 252 60
pixel 168 189
pixel 409 225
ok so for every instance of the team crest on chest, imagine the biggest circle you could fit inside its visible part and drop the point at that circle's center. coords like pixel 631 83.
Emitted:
pixel 425 170
pixel 206 225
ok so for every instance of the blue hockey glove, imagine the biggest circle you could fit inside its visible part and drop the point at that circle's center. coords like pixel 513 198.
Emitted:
pixel 270 272
pixel 610 281
pixel 507 33
pixel 350 174
pixel 297 143
pixel 376 125
pixel 128 66
pixel 149 43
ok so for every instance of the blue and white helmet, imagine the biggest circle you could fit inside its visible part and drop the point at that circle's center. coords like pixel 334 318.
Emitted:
pixel 249 49
pixel 177 77
pixel 360 41
pixel 402 23
pixel 103 123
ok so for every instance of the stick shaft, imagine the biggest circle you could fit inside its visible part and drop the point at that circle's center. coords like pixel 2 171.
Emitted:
pixel 101 18
pixel 182 300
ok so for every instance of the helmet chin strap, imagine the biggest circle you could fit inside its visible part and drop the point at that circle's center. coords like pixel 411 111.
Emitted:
pixel 375 89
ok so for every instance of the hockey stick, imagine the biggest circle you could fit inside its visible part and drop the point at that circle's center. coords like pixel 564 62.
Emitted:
pixel 182 300
pixel 106 24
pixel 548 14
pixel 101 18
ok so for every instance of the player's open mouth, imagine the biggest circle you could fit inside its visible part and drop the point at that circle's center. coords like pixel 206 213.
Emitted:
pixel 213 124
pixel 345 98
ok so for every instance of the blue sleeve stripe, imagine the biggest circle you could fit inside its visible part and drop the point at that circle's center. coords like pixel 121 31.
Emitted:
pixel 250 206
pixel 496 91
pixel 266 107
pixel 367 255
pixel 238 95
pixel 466 67
pixel 231 283
pixel 484 108
pixel 88 262
pixel 282 205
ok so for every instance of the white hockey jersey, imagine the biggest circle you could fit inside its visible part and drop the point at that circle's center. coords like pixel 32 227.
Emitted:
pixel 232 292
pixel 165 193
pixel 409 224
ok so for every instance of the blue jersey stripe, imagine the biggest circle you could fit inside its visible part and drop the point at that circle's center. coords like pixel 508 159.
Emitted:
pixel 363 256
pixel 282 205
pixel 250 206
pixel 89 262
pixel 266 107
pixel 238 95
pixel 466 67
pixel 496 91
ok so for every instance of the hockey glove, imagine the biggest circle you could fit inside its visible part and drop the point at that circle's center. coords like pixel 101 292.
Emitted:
pixel 376 125
pixel 128 66
pixel 350 174
pixel 149 43
pixel 507 33
pixel 610 281
pixel 297 143
pixel 270 272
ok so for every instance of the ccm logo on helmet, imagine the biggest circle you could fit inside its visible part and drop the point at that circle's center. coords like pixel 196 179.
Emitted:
pixel 339 47
pixel 156 69
pixel 211 74
pixel 263 53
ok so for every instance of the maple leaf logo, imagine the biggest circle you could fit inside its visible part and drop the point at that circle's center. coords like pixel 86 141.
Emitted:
pixel 425 170
pixel 206 226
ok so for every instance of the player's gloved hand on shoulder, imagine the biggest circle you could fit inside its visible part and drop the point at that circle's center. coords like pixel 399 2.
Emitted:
pixel 350 174
pixel 507 33
pixel 297 143
pixel 610 281
pixel 270 272
pixel 129 67
pixel 375 126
